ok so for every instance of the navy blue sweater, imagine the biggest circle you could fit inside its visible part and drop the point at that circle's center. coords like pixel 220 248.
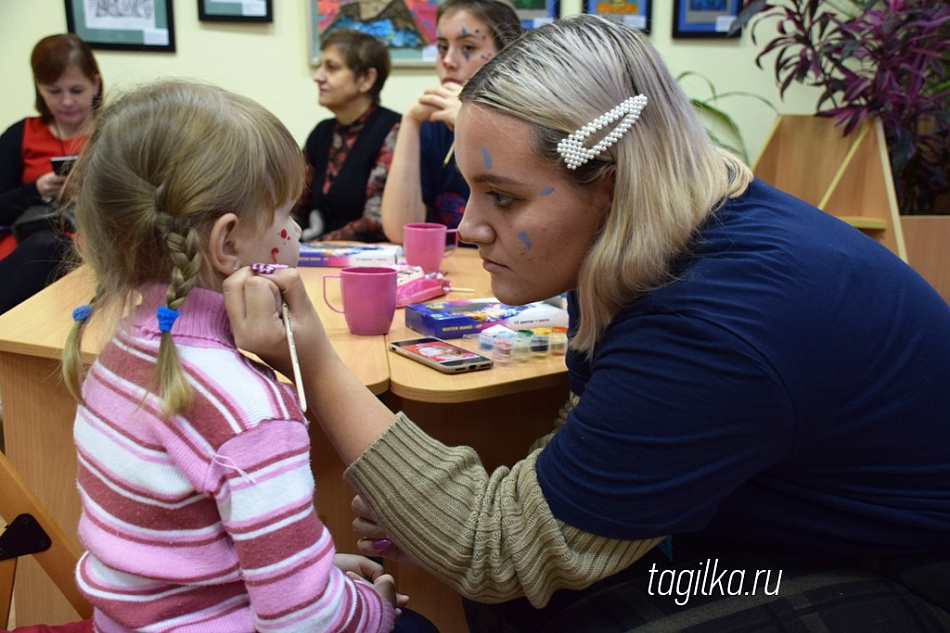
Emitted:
pixel 791 389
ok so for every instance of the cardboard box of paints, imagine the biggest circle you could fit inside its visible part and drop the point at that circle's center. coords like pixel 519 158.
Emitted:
pixel 455 319
pixel 339 255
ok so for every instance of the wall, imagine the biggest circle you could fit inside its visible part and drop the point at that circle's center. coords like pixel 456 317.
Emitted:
pixel 269 62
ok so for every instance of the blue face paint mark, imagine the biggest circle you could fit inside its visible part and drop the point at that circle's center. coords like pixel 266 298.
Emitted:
pixel 487 158
pixel 525 240
pixel 547 190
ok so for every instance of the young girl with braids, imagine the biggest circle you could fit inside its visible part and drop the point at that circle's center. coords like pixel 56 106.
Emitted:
pixel 193 460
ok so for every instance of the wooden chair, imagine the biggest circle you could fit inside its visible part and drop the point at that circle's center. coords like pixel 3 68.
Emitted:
pixel 31 530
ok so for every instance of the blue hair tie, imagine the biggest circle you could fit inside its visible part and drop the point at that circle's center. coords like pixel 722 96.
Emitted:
pixel 166 318
pixel 82 313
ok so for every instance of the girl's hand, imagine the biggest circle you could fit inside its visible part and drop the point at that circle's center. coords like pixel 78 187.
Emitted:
pixel 355 564
pixel 373 540
pixel 420 112
pixel 49 185
pixel 444 101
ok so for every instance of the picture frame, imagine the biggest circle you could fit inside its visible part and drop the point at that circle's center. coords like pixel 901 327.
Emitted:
pixel 705 18
pixel 235 10
pixel 635 13
pixel 410 30
pixel 534 13
pixel 136 25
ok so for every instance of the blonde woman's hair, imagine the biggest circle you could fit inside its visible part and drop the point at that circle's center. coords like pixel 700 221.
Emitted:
pixel 669 175
pixel 164 163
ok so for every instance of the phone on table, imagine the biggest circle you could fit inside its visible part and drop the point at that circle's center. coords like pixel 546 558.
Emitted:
pixel 62 164
pixel 441 355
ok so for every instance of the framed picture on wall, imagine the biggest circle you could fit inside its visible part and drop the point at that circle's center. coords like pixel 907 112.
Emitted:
pixel 408 26
pixel 133 25
pixel 234 11
pixel 635 13
pixel 705 18
pixel 534 13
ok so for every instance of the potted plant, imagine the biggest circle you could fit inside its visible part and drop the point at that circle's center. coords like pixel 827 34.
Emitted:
pixel 888 59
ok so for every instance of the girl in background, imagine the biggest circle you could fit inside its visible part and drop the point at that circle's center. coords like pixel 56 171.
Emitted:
pixel 424 184
pixel 193 460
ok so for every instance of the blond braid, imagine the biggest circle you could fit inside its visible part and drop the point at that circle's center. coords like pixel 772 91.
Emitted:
pixel 185 252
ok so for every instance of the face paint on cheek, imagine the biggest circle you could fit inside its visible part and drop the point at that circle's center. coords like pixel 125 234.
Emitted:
pixel 547 191
pixel 273 254
pixel 486 157
pixel 525 240
pixel 284 235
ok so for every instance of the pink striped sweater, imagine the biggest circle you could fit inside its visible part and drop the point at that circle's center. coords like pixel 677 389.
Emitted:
pixel 205 521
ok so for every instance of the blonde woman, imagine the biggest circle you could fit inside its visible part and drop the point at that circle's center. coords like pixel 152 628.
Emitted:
pixel 750 375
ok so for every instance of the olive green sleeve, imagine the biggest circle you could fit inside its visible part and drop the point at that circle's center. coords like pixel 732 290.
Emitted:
pixel 492 537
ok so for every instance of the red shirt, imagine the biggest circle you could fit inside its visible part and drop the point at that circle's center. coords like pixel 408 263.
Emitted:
pixel 39 145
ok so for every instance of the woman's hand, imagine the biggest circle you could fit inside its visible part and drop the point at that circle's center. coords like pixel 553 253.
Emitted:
pixel 49 185
pixel 444 102
pixel 373 540
pixel 254 303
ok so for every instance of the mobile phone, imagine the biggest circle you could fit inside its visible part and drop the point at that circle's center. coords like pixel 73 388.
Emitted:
pixel 62 164
pixel 441 355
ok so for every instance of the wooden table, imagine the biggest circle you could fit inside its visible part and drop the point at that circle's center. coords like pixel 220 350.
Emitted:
pixel 498 412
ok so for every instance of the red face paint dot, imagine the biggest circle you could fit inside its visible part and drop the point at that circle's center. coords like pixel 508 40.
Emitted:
pixel 273 254
pixel 283 234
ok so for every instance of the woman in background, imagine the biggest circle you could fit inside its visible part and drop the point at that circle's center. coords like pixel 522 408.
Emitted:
pixel 349 155
pixel 68 92
pixel 424 185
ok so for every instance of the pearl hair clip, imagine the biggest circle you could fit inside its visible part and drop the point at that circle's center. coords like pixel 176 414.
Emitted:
pixel 571 148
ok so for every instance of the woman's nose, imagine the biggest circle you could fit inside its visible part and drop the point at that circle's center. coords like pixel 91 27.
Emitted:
pixel 472 230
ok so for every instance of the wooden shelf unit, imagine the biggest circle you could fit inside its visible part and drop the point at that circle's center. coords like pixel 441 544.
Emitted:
pixel 848 177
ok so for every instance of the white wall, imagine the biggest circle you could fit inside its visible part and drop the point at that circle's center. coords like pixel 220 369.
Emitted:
pixel 270 63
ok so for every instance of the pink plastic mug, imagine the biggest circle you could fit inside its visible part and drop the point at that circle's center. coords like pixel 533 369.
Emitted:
pixel 369 298
pixel 424 244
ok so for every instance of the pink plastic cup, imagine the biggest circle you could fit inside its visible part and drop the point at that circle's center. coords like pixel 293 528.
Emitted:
pixel 369 298
pixel 424 244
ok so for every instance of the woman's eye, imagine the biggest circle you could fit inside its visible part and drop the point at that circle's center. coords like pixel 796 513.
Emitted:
pixel 500 199
pixel 441 48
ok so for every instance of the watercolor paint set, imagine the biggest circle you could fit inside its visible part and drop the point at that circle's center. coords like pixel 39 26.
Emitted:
pixel 455 319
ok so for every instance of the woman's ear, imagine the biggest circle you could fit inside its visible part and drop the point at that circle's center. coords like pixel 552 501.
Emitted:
pixel 222 247
pixel 604 190
pixel 367 80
